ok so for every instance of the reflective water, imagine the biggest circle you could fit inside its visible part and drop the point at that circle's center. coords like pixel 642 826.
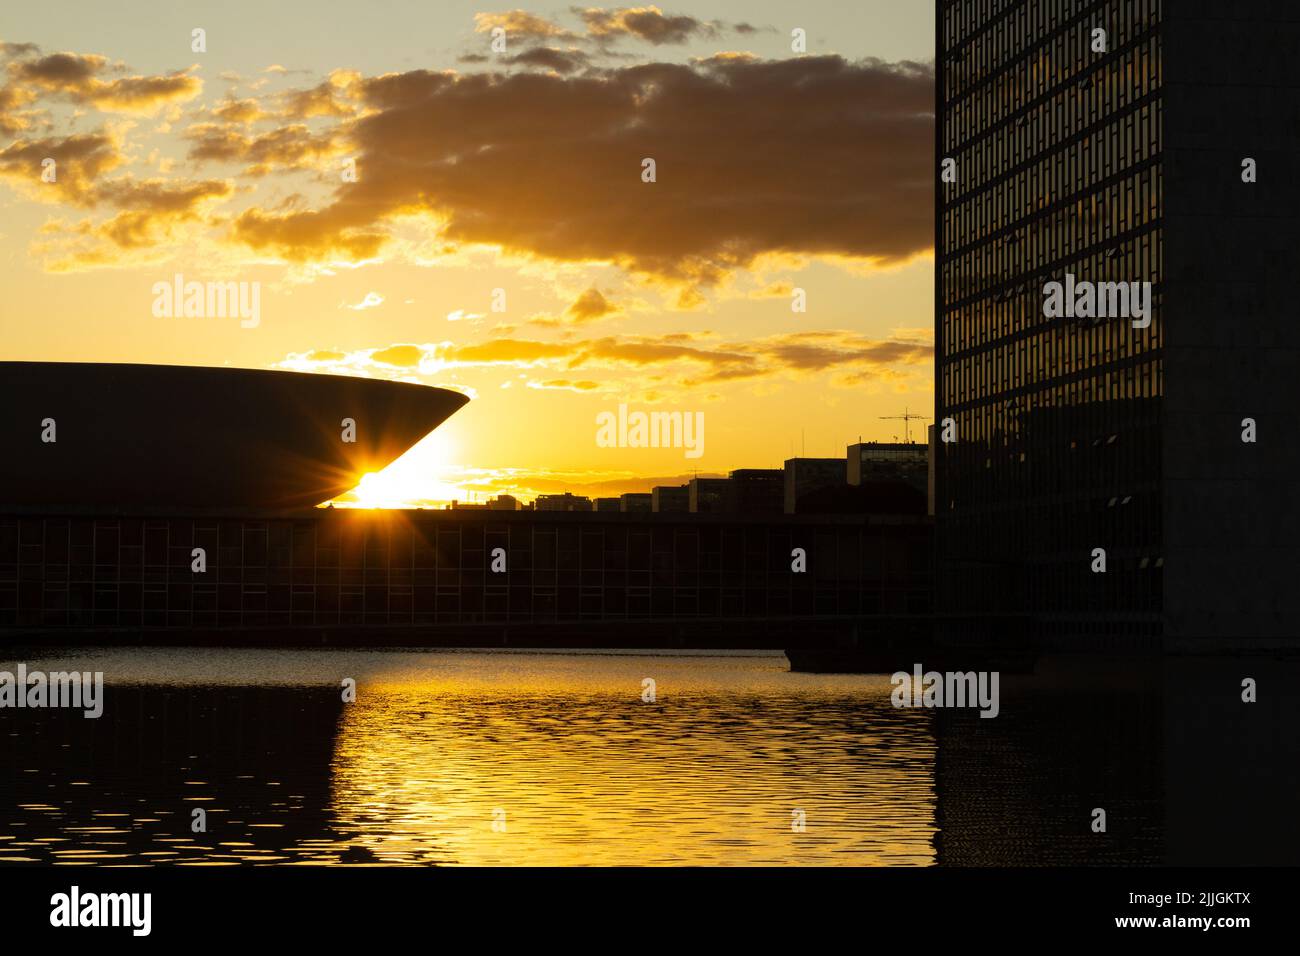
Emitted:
pixel 538 758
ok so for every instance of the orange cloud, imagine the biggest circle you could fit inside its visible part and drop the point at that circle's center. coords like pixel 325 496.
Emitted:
pixel 80 78
pixel 307 236
pixel 149 212
pixel 848 174
pixel 519 23
pixel 641 362
pixel 14 118
pixel 645 23
pixel 589 307
pixel 79 161
pixel 282 149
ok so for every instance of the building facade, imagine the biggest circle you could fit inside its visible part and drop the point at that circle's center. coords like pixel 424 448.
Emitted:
pixel 885 461
pixel 564 502
pixel 1115 222
pixel 670 499
pixel 348 568
pixel 806 475
pixel 711 496
pixel 633 502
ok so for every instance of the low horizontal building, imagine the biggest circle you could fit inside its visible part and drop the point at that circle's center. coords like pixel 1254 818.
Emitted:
pixel 758 491
pixel 344 569
pixel 889 461
pixel 564 502
pixel 711 496
pixel 805 475
pixel 674 499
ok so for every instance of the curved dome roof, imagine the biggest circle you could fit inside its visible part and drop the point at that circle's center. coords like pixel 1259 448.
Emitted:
pixel 163 436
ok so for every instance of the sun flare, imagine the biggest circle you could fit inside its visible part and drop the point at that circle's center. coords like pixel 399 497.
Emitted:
pixel 420 478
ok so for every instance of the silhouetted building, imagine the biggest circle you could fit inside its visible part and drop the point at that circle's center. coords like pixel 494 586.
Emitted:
pixel 670 498
pixel 89 435
pixel 803 475
pixel 746 491
pixel 711 496
pixel 887 497
pixel 344 569
pixel 564 502
pixel 504 503
pixel 932 435
pixel 1095 149
pixel 607 504
pixel 636 502
pixel 758 491
pixel 888 461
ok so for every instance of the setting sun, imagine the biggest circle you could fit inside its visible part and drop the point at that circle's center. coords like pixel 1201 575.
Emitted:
pixel 420 478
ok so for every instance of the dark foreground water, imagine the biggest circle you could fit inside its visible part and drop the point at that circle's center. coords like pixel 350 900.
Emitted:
pixel 541 758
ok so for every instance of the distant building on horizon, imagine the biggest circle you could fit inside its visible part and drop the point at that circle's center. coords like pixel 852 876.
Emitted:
pixel 499 503
pixel 563 502
pixel 758 491
pixel 710 496
pixel 636 502
pixel 805 475
pixel 606 504
pixel 888 461
pixel 670 498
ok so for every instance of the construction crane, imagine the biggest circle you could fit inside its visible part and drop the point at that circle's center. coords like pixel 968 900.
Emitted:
pixel 907 417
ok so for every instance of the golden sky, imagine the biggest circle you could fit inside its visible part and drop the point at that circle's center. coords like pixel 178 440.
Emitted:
pixel 499 235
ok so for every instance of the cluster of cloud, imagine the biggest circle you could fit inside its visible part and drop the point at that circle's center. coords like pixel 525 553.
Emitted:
pixel 805 156
pixel 83 79
pixel 648 23
pixel 141 213
pixel 594 43
pixel 660 365
pixel 811 155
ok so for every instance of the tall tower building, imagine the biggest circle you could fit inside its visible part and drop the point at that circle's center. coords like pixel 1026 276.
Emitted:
pixel 1118 346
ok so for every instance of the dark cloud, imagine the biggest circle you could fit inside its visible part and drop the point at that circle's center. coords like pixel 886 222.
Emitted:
pixel 806 156
pixel 644 23
pixel 159 195
pixel 281 149
pixel 9 49
pixel 549 58
pixel 61 71
pixel 80 78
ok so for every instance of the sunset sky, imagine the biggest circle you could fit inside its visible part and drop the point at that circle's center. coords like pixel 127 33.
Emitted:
pixel 478 171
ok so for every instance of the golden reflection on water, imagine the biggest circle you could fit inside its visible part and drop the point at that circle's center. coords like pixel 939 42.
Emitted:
pixel 547 759
pixel 469 758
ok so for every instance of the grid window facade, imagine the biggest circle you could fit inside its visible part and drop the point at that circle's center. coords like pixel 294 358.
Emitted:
pixel 1057 149
pixel 359 569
